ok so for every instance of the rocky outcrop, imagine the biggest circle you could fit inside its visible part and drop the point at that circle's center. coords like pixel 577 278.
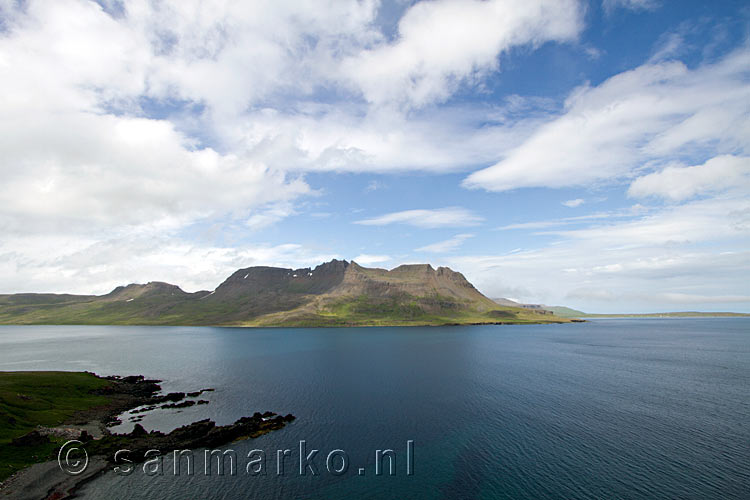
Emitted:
pixel 47 480
pixel 415 280
pixel 200 434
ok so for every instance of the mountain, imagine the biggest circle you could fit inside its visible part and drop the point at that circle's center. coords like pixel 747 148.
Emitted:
pixel 565 312
pixel 337 293
pixel 541 309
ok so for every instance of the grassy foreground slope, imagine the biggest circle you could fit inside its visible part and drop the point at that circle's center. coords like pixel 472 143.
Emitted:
pixel 31 399
pixel 337 293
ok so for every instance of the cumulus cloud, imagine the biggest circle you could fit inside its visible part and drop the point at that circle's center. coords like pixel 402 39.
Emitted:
pixel 141 119
pixel 78 155
pixel 427 218
pixel 440 44
pixel 677 183
pixel 91 265
pixel 642 116
pixel 446 245
pixel 124 125
pixel 356 138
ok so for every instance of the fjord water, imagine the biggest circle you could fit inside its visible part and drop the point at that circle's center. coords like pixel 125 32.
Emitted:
pixel 634 408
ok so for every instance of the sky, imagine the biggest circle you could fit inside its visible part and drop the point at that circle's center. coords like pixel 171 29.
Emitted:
pixel 594 154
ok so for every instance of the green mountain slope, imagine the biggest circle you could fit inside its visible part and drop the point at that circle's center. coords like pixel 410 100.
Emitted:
pixel 337 293
pixel 565 312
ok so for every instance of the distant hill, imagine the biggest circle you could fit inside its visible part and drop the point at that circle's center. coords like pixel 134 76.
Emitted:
pixel 567 312
pixel 677 314
pixel 337 293
pixel 541 309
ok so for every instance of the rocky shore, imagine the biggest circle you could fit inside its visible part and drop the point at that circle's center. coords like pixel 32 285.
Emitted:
pixel 90 426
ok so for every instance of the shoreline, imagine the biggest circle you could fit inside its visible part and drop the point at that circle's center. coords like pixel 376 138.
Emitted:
pixel 557 321
pixel 90 426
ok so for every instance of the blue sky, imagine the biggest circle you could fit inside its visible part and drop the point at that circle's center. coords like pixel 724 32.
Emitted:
pixel 583 153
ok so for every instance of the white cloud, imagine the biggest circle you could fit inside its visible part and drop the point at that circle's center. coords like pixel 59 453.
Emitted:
pixel 270 215
pixel 442 43
pixel 574 203
pixel 438 217
pixel 368 260
pixel 447 245
pixel 593 53
pixel 373 186
pixel 76 154
pixel 685 298
pixel 566 221
pixel 678 183
pixel 641 117
pixel 611 5
pixel 73 264
pixel 669 46
pixel 161 117
pixel 699 221
pixel 698 249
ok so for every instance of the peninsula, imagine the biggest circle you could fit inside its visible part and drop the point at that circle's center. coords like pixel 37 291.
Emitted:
pixel 336 293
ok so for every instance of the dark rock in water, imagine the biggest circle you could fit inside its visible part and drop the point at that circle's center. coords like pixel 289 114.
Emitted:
pixel 138 431
pixel 131 387
pixel 200 434
pixel 33 438
pixel 202 402
pixel 184 404
pixel 198 393
pixel 143 410
pixel 172 396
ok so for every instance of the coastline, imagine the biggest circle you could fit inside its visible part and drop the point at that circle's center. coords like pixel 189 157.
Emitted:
pixel 89 426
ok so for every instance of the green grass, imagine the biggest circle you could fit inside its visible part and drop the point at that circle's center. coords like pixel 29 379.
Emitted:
pixel 400 310
pixel 30 399
pixel 566 312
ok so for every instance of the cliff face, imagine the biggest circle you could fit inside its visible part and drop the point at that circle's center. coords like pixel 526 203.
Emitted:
pixel 417 280
pixel 336 293
pixel 253 281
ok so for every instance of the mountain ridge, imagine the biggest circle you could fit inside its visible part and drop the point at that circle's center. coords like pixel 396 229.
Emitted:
pixel 335 293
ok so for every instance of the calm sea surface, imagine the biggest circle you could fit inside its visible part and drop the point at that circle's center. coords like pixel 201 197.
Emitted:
pixel 605 409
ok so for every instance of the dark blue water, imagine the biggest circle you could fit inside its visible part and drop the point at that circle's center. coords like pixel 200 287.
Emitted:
pixel 606 409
